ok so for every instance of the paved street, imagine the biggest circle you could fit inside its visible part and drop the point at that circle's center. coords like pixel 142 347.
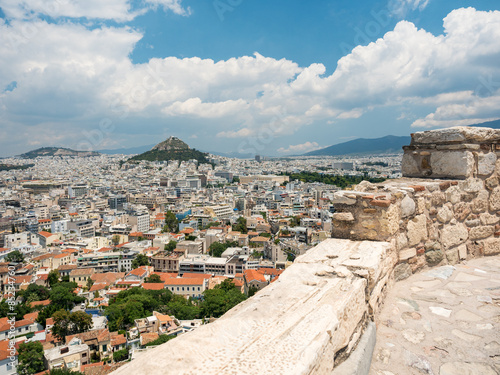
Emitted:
pixel 444 321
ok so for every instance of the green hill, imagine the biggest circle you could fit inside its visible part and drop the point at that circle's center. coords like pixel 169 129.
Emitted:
pixel 57 151
pixel 172 149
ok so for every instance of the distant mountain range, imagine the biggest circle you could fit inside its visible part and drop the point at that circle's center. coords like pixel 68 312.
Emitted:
pixel 383 145
pixel 57 151
pixel 127 151
pixel 359 146
pixel 172 149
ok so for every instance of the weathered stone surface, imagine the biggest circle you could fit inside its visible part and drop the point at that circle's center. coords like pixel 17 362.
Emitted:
pixel 438 198
pixel 402 271
pixel 417 230
pixel 452 256
pixel 380 202
pixel 401 241
pixel 408 207
pixel 339 198
pixel 290 333
pixel 480 204
pixel 453 235
pixel 389 221
pixel 359 361
pixel 409 165
pixel 462 210
pixel 466 368
pixel 456 164
pixel 488 219
pixel 486 163
pixel 343 216
pixel 491 246
pixel 444 214
pixel 462 252
pixel 457 134
pixel 483 231
pixel 418 362
pixel 453 194
pixel 495 199
pixel 473 222
pixel 413 336
pixel 491 182
pixel 407 254
pixel 434 257
pixel 471 185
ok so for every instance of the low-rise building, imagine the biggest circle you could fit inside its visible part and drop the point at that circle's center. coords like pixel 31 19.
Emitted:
pixel 71 356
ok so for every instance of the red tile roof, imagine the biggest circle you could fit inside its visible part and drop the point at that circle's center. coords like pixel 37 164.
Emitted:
pixel 153 286
pixel 184 281
pixel 45 234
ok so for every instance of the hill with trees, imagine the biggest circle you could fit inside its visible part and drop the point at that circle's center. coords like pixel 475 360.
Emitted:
pixel 57 151
pixel 172 149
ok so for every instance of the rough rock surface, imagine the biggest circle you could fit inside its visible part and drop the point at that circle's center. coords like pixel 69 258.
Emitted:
pixel 443 322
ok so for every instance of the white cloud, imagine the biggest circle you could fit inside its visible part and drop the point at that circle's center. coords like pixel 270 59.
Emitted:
pixel 73 78
pixel 473 111
pixel 401 8
pixel 302 148
pixel 118 10
pixel 172 5
pixel 244 132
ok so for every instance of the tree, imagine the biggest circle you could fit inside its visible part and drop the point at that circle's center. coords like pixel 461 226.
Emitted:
pixel 90 282
pixel 120 355
pixel 115 239
pixel 53 278
pixel 140 260
pixel 34 292
pixel 30 358
pixel 216 249
pixel 154 278
pixel 241 225
pixel 171 246
pixel 14 256
pixel 182 308
pixel 61 327
pixel 66 323
pixel 63 297
pixel 81 321
pixel 160 340
pixel 134 303
pixel 212 224
pixel 171 223
pixel 220 299
pixel 251 291
pixel 190 238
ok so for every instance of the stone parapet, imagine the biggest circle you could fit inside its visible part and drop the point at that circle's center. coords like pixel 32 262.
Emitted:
pixel 306 322
pixel 458 153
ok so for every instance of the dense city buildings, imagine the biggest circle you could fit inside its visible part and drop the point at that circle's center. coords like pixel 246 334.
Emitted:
pixel 104 227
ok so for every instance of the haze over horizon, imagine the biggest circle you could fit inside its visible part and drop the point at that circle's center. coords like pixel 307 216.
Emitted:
pixel 277 78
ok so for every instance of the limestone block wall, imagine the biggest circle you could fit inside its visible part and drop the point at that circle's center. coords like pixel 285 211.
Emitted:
pixel 459 152
pixel 432 221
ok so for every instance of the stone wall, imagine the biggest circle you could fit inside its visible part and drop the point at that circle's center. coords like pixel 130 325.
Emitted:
pixel 432 221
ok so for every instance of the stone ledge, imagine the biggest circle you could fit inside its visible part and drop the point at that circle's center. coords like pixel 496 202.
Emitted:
pixel 296 325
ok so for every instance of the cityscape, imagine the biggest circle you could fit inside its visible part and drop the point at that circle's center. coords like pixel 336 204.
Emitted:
pixel 247 187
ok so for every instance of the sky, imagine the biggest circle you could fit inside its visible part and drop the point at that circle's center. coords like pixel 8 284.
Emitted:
pixel 268 77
